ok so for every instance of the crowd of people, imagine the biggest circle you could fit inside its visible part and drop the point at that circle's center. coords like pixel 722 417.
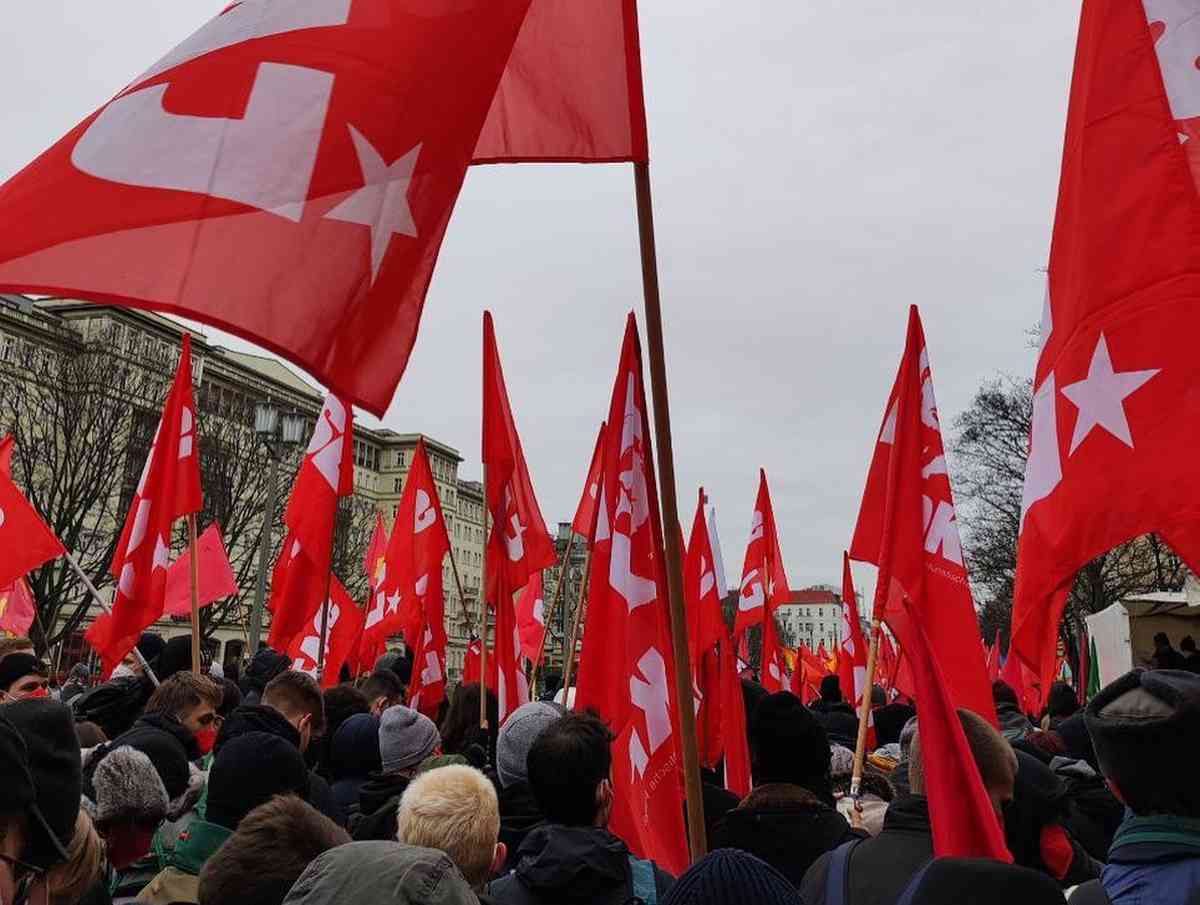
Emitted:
pixel 264 791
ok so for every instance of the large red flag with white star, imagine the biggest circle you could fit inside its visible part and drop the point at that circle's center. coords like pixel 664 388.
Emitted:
pixel 1116 415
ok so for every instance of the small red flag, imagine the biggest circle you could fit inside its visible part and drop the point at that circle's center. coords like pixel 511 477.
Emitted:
pixel 572 91
pixel 993 659
pixel 584 522
pixel 301 574
pixel 531 619
pixel 852 663
pixel 169 488
pixel 342 631
pixel 6 453
pixel 17 608
pixel 217 580
pixel 471 664
pixel 919 556
pixel 764 585
pixel 706 629
pixel 373 559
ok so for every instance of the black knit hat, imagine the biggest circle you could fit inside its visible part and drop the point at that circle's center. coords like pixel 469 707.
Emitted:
pixel 150 645
pixel 734 877
pixel 1144 711
pixel 18 666
pixel 250 770
pixel 176 656
pixel 831 689
pixel 52 749
pixel 788 744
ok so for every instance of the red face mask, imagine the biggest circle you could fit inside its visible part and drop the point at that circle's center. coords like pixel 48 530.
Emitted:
pixel 206 738
pixel 127 844
pixel 42 692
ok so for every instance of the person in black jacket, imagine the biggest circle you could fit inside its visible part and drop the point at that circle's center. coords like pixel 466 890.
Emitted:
pixel 789 819
pixel 879 869
pixel 406 737
pixel 519 811
pixel 573 858
pixel 265 665
pixel 115 704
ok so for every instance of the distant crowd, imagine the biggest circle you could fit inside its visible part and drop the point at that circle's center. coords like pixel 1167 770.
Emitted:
pixel 262 789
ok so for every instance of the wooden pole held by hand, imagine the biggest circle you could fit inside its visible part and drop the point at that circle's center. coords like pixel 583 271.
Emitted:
pixel 864 712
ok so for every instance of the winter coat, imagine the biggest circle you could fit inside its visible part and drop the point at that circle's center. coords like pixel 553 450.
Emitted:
pixel 519 814
pixel 168 744
pixel 353 757
pixel 1013 723
pixel 1094 814
pixel 265 665
pixel 378 800
pixel 380 873
pixel 179 880
pixel 881 867
pixel 579 865
pixel 113 706
pixel 788 837
pixel 1153 861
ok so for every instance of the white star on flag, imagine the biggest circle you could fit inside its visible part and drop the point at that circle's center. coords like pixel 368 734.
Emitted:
pixel 1100 397
pixel 382 202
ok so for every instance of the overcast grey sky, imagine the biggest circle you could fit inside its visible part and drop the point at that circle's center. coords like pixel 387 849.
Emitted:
pixel 817 167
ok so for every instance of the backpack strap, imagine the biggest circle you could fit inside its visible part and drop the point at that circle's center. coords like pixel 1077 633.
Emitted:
pixel 910 891
pixel 642 880
pixel 837 880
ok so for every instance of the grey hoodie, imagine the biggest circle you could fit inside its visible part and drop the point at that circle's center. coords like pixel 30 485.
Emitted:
pixel 381 873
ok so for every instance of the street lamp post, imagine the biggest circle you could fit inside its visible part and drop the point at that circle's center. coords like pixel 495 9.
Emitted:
pixel 276 434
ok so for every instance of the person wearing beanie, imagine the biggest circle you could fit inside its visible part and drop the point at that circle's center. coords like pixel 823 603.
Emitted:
pixel 731 877
pixel 249 771
pixel 1145 727
pixel 115 705
pixel 265 665
pixel 519 812
pixel 573 857
pixel 789 820
pixel 406 737
pixel 128 803
pixel 353 758
pixel 23 676
pixel 876 871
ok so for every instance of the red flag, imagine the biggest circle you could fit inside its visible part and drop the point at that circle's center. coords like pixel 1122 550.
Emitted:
pixel 626 671
pixel 519 531
pixel 512 686
pixel 25 540
pixel 852 663
pixel 428 687
pixel 531 619
pixel 331 138
pixel 301 573
pixel 918 553
pixel 6 453
pixel 471 665
pixel 368 650
pixel 1024 681
pixel 993 659
pixel 343 627
pixel 17 606
pixel 168 489
pixel 217 580
pixel 764 584
pixel 1115 382
pixel 373 559
pixel 706 629
pixel 584 522
pixel 572 91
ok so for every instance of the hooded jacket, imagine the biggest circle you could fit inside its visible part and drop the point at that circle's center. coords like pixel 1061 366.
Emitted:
pixel 353 757
pixel 1153 860
pixel 381 873
pixel 378 800
pixel 789 835
pixel 114 705
pixel 572 864
pixel 519 814
pixel 1013 723
pixel 881 868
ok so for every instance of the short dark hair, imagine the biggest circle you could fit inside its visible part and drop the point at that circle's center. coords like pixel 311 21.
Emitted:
pixel 1188 643
pixel 294 693
pixel 271 848
pixel 182 692
pixel 382 683
pixel 566 764
pixel 1062 700
pixel 1002 692
pixel 831 689
pixel 789 744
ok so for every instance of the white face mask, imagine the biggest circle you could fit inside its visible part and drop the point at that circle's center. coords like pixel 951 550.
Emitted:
pixel 123 672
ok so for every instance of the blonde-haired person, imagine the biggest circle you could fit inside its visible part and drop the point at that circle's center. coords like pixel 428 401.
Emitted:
pixel 70 881
pixel 455 810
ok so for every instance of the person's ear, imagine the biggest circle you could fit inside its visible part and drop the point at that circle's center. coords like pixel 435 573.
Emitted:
pixel 499 857
pixel 604 802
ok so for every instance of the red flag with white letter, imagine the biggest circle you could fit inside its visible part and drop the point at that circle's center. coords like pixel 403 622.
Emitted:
pixel 531 618
pixel 289 164
pixel 301 573
pixel 706 629
pixel 852 663
pixel 626 671
pixel 764 586
pixel 920 567
pixel 572 91
pixel 168 489
pixel 342 631
pixel 1115 383
pixel 584 522
pixel 471 664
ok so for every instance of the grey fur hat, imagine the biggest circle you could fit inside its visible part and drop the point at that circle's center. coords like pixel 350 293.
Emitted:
pixel 128 788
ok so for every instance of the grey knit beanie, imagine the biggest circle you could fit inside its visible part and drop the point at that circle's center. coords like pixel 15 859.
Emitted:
pixel 517 736
pixel 128 787
pixel 406 738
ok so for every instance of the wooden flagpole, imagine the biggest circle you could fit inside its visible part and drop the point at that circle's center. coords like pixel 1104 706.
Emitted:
pixel 103 604
pixel 580 605
pixel 483 720
pixel 195 570
pixel 670 512
pixel 548 615
pixel 864 712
